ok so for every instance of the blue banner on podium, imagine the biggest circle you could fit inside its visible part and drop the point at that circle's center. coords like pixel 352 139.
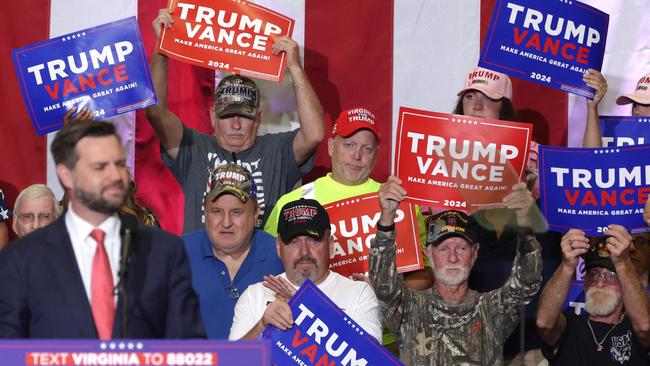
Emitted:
pixel 551 43
pixel 103 68
pixel 135 352
pixel 624 131
pixel 589 189
pixel 322 334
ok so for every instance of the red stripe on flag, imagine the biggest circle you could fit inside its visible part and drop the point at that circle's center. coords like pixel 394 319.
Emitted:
pixel 23 151
pixel 349 60
pixel 546 108
pixel 190 97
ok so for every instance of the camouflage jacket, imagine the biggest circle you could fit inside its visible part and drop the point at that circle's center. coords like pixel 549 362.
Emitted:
pixel 432 331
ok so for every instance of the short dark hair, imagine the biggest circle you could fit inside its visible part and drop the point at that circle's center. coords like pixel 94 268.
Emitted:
pixel 507 112
pixel 65 142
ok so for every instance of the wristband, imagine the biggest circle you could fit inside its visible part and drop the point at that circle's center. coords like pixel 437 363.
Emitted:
pixel 386 229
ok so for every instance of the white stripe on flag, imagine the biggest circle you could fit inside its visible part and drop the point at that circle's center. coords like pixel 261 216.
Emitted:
pixel 67 16
pixel 435 43
pixel 280 110
pixel 627 58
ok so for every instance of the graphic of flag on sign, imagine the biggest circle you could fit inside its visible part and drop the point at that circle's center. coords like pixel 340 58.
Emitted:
pixel 4 208
pixel 234 36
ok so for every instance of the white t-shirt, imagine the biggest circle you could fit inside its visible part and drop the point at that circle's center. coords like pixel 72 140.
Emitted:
pixel 355 298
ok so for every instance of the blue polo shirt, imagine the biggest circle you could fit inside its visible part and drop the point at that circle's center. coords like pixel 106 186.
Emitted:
pixel 218 293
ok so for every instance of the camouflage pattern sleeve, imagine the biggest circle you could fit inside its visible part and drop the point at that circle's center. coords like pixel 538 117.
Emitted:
pixel 522 285
pixel 387 283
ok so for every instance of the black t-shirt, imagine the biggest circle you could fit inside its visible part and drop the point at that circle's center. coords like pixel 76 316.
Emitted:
pixel 577 346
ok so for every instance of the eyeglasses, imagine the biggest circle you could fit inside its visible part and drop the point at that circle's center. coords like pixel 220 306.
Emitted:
pixel 593 276
pixel 28 218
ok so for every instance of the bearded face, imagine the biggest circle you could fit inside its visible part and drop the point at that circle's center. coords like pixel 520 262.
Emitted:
pixel 451 274
pixel 452 260
pixel 602 301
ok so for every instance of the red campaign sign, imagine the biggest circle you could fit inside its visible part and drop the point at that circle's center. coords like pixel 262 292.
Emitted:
pixel 452 161
pixel 353 222
pixel 234 36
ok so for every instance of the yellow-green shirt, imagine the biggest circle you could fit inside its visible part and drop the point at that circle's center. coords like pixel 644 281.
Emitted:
pixel 326 190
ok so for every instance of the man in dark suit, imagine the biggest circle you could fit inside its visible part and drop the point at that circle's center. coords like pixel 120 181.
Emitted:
pixel 92 273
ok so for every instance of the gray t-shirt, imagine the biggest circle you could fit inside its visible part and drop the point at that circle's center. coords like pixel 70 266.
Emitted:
pixel 270 160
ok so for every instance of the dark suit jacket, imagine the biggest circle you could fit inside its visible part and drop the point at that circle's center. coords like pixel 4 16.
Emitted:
pixel 42 294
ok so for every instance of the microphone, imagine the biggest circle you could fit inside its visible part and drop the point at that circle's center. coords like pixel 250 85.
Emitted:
pixel 129 225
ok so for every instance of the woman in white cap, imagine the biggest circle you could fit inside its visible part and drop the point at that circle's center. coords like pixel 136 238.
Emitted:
pixel 488 94
pixel 640 99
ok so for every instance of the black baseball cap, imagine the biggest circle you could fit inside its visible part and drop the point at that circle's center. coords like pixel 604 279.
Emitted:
pixel 447 224
pixel 598 254
pixel 303 217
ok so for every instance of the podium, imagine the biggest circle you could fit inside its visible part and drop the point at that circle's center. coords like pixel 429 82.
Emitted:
pixel 125 352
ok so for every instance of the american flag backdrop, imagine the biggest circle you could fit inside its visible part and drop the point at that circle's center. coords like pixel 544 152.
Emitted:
pixel 381 54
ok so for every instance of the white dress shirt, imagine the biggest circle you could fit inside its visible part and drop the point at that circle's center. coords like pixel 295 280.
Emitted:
pixel 355 298
pixel 84 245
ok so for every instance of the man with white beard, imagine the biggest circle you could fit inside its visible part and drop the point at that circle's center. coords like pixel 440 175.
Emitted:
pixel 616 329
pixel 451 324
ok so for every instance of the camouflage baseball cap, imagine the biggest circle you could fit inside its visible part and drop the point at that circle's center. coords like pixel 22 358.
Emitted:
pixel 237 95
pixel 447 224
pixel 233 179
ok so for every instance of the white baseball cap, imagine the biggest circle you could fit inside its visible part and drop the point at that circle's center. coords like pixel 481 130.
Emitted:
pixel 641 94
pixel 491 83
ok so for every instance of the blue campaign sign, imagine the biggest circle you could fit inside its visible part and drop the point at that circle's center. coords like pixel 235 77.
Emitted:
pixel 624 131
pixel 551 43
pixel 135 352
pixel 103 68
pixel 589 189
pixel 575 301
pixel 323 334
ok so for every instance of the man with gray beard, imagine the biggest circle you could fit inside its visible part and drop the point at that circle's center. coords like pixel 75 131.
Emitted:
pixel 616 329
pixel 450 324
pixel 303 245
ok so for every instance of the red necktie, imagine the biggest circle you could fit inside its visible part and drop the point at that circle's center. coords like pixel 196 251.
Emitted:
pixel 101 289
